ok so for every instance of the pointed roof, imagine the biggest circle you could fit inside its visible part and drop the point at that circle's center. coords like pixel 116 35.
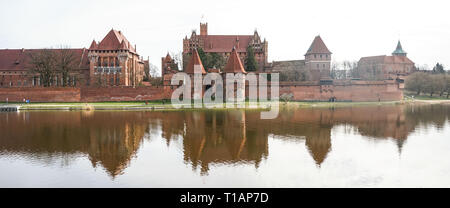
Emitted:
pixel 234 64
pixel 93 45
pixel 168 58
pixel 399 50
pixel 318 46
pixel 115 40
pixel 195 60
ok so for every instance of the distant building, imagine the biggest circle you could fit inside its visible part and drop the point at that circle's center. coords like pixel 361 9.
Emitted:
pixel 317 62
pixel 385 67
pixel 115 62
pixel 15 68
pixel 111 62
pixel 221 44
pixel 168 65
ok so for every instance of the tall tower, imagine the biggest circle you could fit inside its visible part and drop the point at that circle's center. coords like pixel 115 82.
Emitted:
pixel 318 59
pixel 203 28
pixel 399 50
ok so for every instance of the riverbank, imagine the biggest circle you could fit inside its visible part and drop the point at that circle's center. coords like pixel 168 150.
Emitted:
pixel 161 105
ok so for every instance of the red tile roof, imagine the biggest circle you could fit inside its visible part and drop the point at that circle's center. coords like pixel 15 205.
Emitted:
pixel 18 59
pixel 387 60
pixel 223 43
pixel 234 64
pixel 195 60
pixel 114 40
pixel 318 46
pixel 93 45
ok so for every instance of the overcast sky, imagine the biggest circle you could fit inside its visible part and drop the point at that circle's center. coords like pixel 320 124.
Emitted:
pixel 350 29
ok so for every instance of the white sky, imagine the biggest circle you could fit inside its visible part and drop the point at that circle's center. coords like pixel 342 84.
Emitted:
pixel 350 29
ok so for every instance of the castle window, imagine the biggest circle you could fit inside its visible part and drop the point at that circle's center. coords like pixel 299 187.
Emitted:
pixel 320 55
pixel 315 56
pixel 318 66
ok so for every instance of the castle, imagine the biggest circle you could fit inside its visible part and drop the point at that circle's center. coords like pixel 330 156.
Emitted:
pixel 317 62
pixel 114 61
pixel 110 62
pixel 222 45
pixel 397 66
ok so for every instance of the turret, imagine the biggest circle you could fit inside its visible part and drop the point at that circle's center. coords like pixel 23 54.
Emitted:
pixel 399 50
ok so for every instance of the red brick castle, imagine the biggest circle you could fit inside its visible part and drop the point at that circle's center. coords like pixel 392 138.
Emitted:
pixel 110 62
pixel 222 45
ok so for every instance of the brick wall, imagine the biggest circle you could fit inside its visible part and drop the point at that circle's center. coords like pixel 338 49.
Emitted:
pixel 40 94
pixel 355 91
pixel 81 94
pixel 121 94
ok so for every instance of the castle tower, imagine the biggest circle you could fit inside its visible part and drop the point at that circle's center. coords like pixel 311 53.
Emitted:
pixel 203 28
pixel 115 62
pixel 399 50
pixel 234 66
pixel 195 63
pixel 318 59
pixel 166 64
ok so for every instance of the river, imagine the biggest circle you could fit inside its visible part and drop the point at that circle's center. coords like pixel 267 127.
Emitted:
pixel 359 146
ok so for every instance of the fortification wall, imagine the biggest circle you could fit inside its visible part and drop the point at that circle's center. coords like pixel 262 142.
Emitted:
pixel 15 94
pixel 355 91
pixel 81 94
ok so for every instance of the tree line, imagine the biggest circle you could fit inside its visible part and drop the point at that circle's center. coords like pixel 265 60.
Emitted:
pixel 434 82
pixel 50 63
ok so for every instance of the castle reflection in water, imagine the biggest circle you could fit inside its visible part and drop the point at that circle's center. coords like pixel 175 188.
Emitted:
pixel 112 139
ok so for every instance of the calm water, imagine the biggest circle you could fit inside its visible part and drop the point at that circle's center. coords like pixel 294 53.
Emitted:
pixel 379 146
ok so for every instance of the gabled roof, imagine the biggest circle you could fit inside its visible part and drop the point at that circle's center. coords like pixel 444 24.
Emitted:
pixel 318 46
pixel 386 60
pixel 93 45
pixel 223 43
pixel 195 60
pixel 19 59
pixel 115 40
pixel 234 64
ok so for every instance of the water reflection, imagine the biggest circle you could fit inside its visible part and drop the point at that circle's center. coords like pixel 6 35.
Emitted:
pixel 112 139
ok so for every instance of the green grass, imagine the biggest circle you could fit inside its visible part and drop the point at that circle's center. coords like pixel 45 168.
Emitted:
pixel 158 105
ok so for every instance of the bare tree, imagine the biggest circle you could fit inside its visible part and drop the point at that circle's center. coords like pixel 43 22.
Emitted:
pixel 43 63
pixel 178 59
pixel 153 70
pixel 66 62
